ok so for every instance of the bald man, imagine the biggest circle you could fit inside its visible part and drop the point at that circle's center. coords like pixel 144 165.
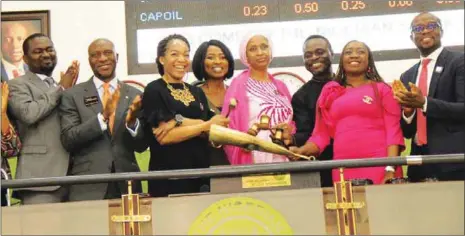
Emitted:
pixel 99 126
pixel 13 35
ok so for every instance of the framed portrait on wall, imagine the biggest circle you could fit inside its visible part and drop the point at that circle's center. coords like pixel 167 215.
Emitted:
pixel 16 27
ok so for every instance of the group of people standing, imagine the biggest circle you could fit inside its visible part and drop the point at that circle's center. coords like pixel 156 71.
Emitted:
pixel 96 126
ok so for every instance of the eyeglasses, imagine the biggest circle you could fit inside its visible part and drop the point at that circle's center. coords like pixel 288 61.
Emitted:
pixel 429 26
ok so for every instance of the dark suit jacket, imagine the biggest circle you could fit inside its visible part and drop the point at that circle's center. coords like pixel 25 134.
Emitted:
pixel 93 151
pixel 445 109
pixel 5 75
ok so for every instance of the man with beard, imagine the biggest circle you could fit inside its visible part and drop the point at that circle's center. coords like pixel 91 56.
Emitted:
pixel 433 109
pixel 100 127
pixel 317 58
pixel 33 103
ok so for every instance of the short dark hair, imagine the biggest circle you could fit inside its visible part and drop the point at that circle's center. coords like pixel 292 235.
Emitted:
pixel 30 38
pixel 371 73
pixel 424 13
pixel 198 65
pixel 317 36
pixel 163 45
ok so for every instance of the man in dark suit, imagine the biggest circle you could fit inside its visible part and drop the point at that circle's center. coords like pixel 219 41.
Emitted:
pixel 433 109
pixel 12 65
pixel 99 126
pixel 34 99
pixel 317 59
pixel 4 73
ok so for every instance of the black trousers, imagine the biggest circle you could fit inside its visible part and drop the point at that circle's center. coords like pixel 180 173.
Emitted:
pixel 425 172
pixel 4 197
pixel 113 189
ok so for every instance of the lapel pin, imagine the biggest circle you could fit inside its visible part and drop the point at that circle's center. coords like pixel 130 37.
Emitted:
pixel 439 69
pixel 126 97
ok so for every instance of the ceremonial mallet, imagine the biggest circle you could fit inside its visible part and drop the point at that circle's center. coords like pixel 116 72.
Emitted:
pixel 232 105
pixel 224 136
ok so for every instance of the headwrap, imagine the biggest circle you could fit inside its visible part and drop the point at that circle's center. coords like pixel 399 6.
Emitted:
pixel 243 47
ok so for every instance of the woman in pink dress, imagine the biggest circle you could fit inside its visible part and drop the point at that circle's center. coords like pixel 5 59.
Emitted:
pixel 359 112
pixel 257 93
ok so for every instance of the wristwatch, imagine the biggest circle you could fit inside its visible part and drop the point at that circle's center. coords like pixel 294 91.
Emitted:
pixel 179 119
pixel 390 169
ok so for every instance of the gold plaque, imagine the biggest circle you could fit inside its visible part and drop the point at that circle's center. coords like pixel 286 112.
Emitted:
pixel 269 180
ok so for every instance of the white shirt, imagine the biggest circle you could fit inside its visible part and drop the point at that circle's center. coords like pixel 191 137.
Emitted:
pixel 9 68
pixel 431 69
pixel 113 85
pixel 43 77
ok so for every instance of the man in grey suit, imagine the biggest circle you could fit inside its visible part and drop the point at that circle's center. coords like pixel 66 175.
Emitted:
pixel 99 126
pixel 34 100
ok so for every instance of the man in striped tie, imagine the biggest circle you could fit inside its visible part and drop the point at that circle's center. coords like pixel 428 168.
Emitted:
pixel 433 109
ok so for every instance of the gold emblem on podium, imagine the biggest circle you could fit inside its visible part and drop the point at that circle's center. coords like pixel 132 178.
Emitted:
pixel 130 205
pixel 345 206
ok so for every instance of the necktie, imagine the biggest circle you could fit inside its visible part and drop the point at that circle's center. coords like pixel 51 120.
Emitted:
pixel 15 73
pixel 50 82
pixel 421 118
pixel 106 97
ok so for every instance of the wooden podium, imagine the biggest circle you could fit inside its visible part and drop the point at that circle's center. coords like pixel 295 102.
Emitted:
pixel 421 208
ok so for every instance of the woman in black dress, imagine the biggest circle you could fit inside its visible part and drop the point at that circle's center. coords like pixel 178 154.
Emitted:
pixel 212 64
pixel 180 119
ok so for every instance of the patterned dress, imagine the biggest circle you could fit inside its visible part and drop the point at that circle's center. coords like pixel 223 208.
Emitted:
pixel 10 148
pixel 264 99
pixel 11 145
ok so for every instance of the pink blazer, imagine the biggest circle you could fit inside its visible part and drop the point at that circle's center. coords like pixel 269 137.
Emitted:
pixel 239 117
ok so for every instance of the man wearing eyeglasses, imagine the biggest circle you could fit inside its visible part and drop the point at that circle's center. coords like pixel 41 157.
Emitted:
pixel 433 109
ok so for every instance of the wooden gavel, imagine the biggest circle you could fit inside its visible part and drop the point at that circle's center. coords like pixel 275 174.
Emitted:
pixel 264 124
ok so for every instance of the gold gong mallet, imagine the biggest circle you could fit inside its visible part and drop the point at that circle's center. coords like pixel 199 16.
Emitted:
pixel 225 136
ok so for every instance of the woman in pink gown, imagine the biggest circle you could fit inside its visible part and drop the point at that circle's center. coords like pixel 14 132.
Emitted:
pixel 359 112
